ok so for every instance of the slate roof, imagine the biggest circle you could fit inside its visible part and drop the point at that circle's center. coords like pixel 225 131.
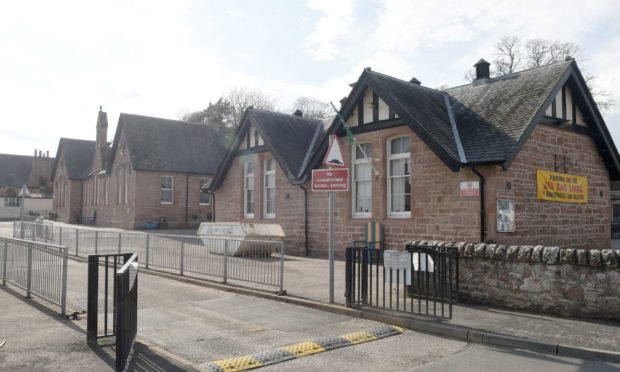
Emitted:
pixel 156 144
pixel 78 156
pixel 14 169
pixel 492 117
pixel 486 122
pixel 291 139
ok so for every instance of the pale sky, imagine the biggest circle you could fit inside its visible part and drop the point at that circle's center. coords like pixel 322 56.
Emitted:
pixel 60 60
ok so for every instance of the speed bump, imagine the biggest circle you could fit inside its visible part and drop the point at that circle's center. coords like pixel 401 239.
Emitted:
pixel 300 349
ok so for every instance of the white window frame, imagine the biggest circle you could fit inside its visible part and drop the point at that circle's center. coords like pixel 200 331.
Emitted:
pixel 390 157
pixel 12 202
pixel 203 183
pixel 267 173
pixel 247 176
pixel 161 182
pixel 354 162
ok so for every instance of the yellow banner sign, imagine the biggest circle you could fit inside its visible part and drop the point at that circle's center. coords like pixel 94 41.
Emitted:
pixel 561 187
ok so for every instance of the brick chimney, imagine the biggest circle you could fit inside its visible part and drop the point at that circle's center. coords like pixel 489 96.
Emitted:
pixel 102 129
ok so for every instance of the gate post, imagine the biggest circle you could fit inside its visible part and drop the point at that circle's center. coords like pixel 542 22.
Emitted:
pixel 148 243
pixel 96 241
pixel 93 295
pixel 77 241
pixel 348 291
pixel 364 274
pixel 225 260
pixel 282 267
pixel 119 242
pixel 60 236
pixel 6 256
pixel 29 277
pixel 182 260
pixel 63 289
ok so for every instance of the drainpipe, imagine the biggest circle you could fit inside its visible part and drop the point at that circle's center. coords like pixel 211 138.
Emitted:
pixel 482 209
pixel 187 200
pixel 306 218
pixel 212 206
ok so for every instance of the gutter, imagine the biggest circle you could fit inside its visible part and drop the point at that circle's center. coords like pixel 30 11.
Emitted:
pixel 482 209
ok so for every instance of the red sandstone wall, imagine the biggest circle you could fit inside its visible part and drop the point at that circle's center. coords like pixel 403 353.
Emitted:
pixel 568 225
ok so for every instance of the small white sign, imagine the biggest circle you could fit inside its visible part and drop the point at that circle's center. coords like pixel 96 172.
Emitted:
pixel 470 188
pixel 505 216
pixel 400 264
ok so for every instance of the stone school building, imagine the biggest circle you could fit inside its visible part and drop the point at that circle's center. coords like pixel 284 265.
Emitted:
pixel 524 158
pixel 152 173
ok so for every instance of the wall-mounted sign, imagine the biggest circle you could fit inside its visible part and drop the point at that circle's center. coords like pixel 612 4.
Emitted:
pixel 505 216
pixel 398 265
pixel 470 188
pixel 561 187
pixel 330 179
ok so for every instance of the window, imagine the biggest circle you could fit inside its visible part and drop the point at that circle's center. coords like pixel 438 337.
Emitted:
pixel 126 185
pixel 205 198
pixel 12 202
pixel 105 191
pixel 256 137
pixel 616 212
pixel 167 184
pixel 85 193
pixel 269 194
pixel 64 192
pixel 248 189
pixel 362 180
pixel 399 182
pixel 119 186
pixel 96 193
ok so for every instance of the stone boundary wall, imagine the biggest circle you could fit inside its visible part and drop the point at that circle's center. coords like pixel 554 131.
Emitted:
pixel 562 281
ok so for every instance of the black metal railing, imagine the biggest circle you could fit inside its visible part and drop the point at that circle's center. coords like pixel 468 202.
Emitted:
pixel 419 280
pixel 122 284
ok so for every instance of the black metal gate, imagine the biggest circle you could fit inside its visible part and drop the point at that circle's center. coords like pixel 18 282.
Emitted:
pixel 420 280
pixel 124 305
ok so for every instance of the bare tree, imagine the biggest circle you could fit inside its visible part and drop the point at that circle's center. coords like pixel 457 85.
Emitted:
pixel 312 107
pixel 507 56
pixel 540 52
pixel 511 55
pixel 241 98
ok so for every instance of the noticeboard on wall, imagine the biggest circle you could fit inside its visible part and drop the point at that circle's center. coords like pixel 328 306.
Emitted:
pixel 505 215
pixel 561 187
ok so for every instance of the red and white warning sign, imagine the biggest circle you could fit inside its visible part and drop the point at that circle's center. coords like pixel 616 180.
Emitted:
pixel 330 180
pixel 334 153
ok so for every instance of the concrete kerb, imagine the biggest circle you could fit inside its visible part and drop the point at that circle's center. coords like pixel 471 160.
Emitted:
pixel 425 326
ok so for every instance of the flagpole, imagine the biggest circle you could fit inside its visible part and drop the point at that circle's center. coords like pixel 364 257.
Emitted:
pixel 352 139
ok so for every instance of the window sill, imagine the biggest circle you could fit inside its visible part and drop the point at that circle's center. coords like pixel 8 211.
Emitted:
pixel 167 203
pixel 404 215
pixel 271 216
pixel 369 215
pixel 205 203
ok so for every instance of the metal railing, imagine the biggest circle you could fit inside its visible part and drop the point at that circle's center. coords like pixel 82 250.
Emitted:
pixel 124 313
pixel 262 264
pixel 419 280
pixel 38 268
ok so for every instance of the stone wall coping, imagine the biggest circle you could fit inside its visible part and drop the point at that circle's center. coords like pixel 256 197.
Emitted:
pixel 596 258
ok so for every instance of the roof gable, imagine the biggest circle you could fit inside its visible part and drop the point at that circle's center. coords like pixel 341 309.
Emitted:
pixel 156 144
pixel 426 111
pixel 291 139
pixel 77 155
